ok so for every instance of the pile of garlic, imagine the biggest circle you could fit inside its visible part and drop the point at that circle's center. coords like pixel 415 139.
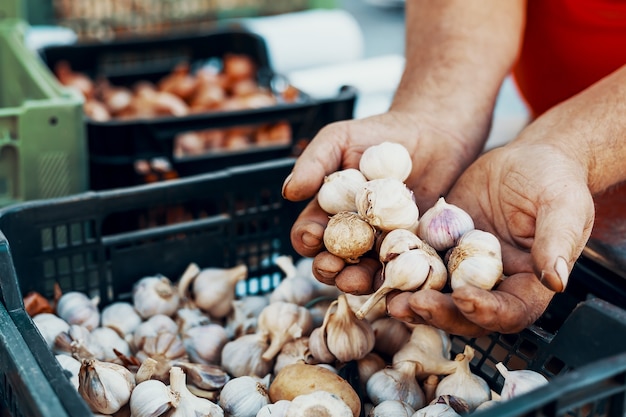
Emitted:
pixel 373 204
pixel 170 351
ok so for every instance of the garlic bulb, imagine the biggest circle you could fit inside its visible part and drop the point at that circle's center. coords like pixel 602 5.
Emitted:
pixel 386 160
pixel 213 289
pixel 244 315
pixel 155 295
pixel 476 260
pixel 50 326
pixel 151 398
pixel 282 322
pixel 519 382
pixel 204 344
pixel 406 272
pixel 164 348
pixel 430 348
pixel 294 351
pixel 387 204
pixel 189 404
pixel 398 383
pixel 105 386
pixel 71 367
pixel 76 308
pixel 243 356
pixel 318 403
pixel 392 408
pixel 348 236
pixel 151 327
pixel 396 242
pixel 243 396
pixel 79 343
pixel 443 224
pixel 347 338
pixel 463 383
pixel 110 342
pixel 390 335
pixel 122 317
pixel 339 189
pixel 277 409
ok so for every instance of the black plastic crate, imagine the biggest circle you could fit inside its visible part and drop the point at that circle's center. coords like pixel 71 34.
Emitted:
pixel 102 242
pixel 116 146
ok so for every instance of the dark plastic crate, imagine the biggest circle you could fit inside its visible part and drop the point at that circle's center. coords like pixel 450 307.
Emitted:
pixel 115 146
pixel 102 242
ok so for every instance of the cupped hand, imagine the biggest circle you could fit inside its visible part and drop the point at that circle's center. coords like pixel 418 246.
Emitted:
pixel 439 157
pixel 535 199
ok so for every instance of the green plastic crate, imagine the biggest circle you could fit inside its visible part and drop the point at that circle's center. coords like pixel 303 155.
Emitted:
pixel 42 135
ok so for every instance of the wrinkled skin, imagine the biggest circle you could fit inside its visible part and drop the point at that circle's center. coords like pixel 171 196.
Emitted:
pixel 529 196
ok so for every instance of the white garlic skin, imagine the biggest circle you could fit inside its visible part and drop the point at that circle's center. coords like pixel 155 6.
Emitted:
pixel 76 308
pixel 519 382
pixel 243 356
pixel 155 295
pixel 436 410
pixel 318 403
pixel 151 327
pixel 277 409
pixel 339 189
pixel 387 204
pixel 396 242
pixel 443 224
pixel 243 397
pixel 106 387
pixel 386 160
pixel 70 366
pixel 204 343
pixel 391 408
pixel 108 339
pixel 476 260
pixel 464 384
pixel 50 326
pixel 122 317
pixel 396 383
pixel 151 398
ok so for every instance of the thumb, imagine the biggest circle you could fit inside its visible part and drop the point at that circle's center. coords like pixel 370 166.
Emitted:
pixel 562 229
pixel 321 157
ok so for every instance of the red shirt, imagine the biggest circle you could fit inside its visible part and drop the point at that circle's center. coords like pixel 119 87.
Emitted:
pixel 568 45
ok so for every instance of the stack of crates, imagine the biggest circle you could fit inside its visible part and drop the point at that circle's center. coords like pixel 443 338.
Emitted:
pixel 43 151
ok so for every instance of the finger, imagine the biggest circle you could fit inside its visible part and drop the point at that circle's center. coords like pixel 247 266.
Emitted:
pixel 307 232
pixel 358 279
pixel 326 267
pixel 321 157
pixel 398 307
pixel 439 310
pixel 517 303
pixel 562 230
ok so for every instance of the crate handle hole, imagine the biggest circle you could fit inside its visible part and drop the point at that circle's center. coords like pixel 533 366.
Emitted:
pixel 53 121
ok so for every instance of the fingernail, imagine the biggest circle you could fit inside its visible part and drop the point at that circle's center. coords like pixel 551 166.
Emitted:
pixel 559 282
pixel 562 270
pixel 311 241
pixel 285 183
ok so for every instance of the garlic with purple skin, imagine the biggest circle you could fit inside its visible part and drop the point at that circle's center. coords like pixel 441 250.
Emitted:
pixel 443 224
pixel 386 160
pixel 476 260
pixel 348 236
pixel 339 189
pixel 387 204
pixel 519 382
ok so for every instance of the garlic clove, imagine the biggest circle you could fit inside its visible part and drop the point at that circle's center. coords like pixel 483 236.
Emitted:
pixel 338 190
pixel 406 272
pixel 386 160
pixel 443 224
pixel 519 382
pixel 348 236
pixel 387 204
pixel 476 260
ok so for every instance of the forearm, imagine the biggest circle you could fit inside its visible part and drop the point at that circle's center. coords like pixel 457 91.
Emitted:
pixel 458 52
pixel 590 128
